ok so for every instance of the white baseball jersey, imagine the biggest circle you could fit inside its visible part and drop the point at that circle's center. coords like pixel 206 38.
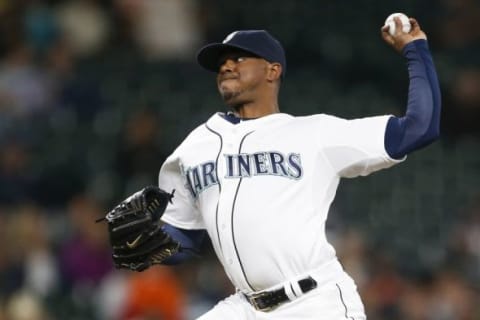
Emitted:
pixel 262 189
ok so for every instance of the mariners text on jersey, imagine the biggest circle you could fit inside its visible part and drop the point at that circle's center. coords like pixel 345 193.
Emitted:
pixel 244 165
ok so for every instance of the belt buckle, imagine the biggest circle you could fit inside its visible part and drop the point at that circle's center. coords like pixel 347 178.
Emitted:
pixel 253 301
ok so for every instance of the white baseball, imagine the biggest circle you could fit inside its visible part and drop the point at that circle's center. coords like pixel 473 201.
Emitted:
pixel 406 26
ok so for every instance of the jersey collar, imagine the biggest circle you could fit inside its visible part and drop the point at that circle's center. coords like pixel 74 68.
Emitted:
pixel 218 122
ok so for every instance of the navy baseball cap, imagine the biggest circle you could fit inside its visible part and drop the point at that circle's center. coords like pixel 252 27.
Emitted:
pixel 257 42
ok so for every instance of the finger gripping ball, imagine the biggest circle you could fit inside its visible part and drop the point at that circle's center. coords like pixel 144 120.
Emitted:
pixel 406 26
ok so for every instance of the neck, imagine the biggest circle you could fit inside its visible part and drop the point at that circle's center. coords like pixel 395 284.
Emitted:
pixel 253 110
pixel 262 105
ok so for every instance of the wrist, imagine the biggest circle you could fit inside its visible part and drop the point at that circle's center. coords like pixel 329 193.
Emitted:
pixel 413 46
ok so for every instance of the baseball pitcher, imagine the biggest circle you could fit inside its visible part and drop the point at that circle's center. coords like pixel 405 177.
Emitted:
pixel 259 183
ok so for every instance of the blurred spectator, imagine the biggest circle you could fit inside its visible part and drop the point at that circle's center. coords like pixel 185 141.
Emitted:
pixel 162 29
pixel 27 265
pixel 457 35
pixel 85 257
pixel 111 295
pixel 154 294
pixel 206 283
pixel 79 87
pixel 462 109
pixel 11 25
pixel 139 156
pixel 383 291
pixel 459 25
pixel 29 234
pixel 452 299
pixel 25 88
pixel 465 244
pixel 414 303
pixel 11 263
pixel 84 25
pixel 41 29
pixel 465 89
pixel 25 306
pixel 352 252
pixel 15 177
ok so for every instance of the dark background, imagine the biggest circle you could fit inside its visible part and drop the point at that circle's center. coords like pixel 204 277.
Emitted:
pixel 95 94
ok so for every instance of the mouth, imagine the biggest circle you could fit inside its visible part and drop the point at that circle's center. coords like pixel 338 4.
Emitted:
pixel 226 78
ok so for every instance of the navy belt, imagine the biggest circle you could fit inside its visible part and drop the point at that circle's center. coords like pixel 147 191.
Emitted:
pixel 269 300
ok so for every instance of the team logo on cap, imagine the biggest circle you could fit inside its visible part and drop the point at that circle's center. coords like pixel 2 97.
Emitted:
pixel 230 36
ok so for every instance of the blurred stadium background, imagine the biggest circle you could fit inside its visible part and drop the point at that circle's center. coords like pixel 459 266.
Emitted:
pixel 95 94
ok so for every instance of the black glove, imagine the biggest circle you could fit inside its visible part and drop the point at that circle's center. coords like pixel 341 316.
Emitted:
pixel 135 230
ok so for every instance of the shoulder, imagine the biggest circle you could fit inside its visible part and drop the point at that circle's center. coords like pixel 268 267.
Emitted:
pixel 327 120
pixel 317 117
pixel 330 128
pixel 321 120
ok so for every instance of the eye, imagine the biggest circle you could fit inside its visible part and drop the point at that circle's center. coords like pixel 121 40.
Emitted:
pixel 236 58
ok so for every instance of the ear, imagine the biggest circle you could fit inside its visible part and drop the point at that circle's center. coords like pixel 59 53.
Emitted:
pixel 274 71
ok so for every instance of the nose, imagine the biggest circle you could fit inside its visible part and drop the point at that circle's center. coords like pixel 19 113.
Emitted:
pixel 227 65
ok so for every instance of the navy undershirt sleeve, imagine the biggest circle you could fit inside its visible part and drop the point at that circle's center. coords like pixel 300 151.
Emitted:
pixel 190 243
pixel 421 124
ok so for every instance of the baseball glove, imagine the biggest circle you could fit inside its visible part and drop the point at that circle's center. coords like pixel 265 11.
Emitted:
pixel 135 232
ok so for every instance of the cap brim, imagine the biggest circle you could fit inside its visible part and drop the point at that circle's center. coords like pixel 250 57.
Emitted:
pixel 209 56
